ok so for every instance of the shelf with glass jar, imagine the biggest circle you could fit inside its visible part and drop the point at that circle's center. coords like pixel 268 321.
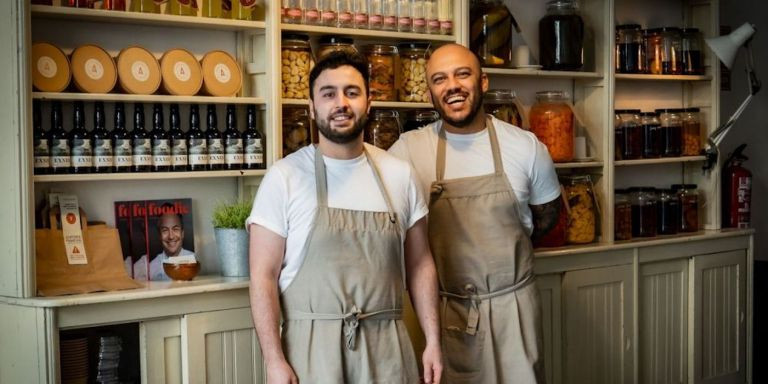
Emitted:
pixel 661 160
pixel 71 96
pixel 645 77
pixel 541 73
pixel 314 30
pixel 147 176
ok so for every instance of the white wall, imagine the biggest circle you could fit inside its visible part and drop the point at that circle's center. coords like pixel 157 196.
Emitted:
pixel 752 127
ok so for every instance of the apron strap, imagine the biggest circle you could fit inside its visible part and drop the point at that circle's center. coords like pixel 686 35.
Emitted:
pixel 382 188
pixel 498 166
pixel 351 320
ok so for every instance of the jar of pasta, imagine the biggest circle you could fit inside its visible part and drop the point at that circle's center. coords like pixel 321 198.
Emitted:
pixel 296 129
pixel 413 72
pixel 381 71
pixel 551 119
pixel 383 128
pixel 582 210
pixel 691 132
pixel 503 104
pixel 296 57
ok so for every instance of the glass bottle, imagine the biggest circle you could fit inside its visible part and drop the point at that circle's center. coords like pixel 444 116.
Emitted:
pixel 418 16
pixel 490 36
pixel 431 16
pixel 122 141
pixel 145 6
pixel 103 151
pixel 561 37
pixel 61 161
pixel 253 141
pixel 669 212
pixel 182 7
pixel 503 104
pixel 691 48
pixel 381 71
pixel 383 128
pixel 551 119
pixel 622 213
pixel 361 13
pixel 78 3
pixel 142 142
pixel 404 16
pixel 196 142
pixel 213 8
pixel 294 13
pixel 445 16
pixel 312 12
pixel 671 53
pixel 179 148
pixel 644 211
pixel 652 138
pixel 691 132
pixel 41 142
pixel 243 9
pixel 689 207
pixel 82 142
pixel 345 14
pixel 618 137
pixel 328 14
pixel 582 213
pixel 214 141
pixel 671 130
pixel 653 50
pixel 630 52
pixel 233 141
pixel 161 142
pixel 633 133
pixel 376 14
pixel 389 11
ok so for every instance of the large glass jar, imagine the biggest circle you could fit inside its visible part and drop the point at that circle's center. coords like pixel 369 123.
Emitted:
pixel 551 120
pixel 490 32
pixel 556 236
pixel 296 129
pixel 633 133
pixel 381 71
pixel 691 132
pixel 652 140
pixel 618 137
pixel 328 44
pixel 383 128
pixel 692 52
pixel 653 48
pixel 644 211
pixel 503 104
pixel 671 131
pixel 413 72
pixel 689 207
pixel 669 212
pixel 582 212
pixel 630 51
pixel 296 56
pixel 663 51
pixel 622 216
pixel 417 118
pixel 561 36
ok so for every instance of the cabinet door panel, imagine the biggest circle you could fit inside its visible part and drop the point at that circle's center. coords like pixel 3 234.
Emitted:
pixel 160 342
pixel 551 324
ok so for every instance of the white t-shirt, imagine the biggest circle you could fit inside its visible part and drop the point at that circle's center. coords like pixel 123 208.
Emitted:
pixel 287 199
pixel 526 161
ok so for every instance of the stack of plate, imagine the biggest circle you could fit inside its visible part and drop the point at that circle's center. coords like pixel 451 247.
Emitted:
pixel 74 361
pixel 109 360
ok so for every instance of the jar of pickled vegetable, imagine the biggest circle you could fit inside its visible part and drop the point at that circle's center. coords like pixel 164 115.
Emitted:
pixel 296 129
pixel 503 104
pixel 381 71
pixel 582 210
pixel 622 216
pixel 383 128
pixel 689 207
pixel 551 119
pixel 490 32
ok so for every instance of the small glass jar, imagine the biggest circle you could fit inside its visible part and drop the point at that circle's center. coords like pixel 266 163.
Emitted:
pixel 664 54
pixel 404 16
pixel 413 72
pixel 328 44
pixel 622 215
pixel 503 104
pixel 431 13
pixel 652 138
pixel 689 207
pixel 671 131
pixel 445 15
pixel 644 211
pixel 417 118
pixel 691 47
pixel 292 11
pixel 653 48
pixel 296 129
pixel 381 71
pixel 691 132
pixel 296 57
pixel 669 212
pixel 582 212
pixel 561 37
pixel 630 52
pixel 389 12
pixel 375 14
pixel 328 12
pixel 361 8
pixel 419 17
pixel 633 133
pixel 490 36
pixel 345 14
pixel 383 128
pixel 551 119
pixel 618 137
pixel 313 12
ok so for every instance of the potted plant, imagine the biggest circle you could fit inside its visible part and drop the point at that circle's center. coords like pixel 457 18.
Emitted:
pixel 231 237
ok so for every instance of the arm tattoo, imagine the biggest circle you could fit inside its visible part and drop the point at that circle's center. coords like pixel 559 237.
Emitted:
pixel 545 217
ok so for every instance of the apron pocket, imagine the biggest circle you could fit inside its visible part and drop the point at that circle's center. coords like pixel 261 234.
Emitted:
pixel 463 353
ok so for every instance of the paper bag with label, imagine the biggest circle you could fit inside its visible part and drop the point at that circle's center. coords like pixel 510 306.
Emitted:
pixel 59 258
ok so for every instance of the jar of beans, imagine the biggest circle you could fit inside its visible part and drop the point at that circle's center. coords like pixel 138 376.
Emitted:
pixel 296 57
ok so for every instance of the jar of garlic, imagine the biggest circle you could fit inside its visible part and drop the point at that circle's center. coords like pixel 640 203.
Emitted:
pixel 296 58
pixel 582 210
pixel 413 72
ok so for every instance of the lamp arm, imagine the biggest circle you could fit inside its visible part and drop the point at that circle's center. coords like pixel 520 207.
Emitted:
pixel 754 82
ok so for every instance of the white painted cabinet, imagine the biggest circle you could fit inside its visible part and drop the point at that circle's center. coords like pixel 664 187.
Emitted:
pixel 550 291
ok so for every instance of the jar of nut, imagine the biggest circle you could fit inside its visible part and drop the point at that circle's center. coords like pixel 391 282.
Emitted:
pixel 296 55
pixel 383 128
pixel 413 72
pixel 582 210
pixel 381 71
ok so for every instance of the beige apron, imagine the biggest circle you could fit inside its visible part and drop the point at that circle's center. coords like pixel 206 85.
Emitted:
pixel 343 310
pixel 490 306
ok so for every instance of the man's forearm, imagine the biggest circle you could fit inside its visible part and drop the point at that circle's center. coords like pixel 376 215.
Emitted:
pixel 265 308
pixel 422 287
pixel 545 217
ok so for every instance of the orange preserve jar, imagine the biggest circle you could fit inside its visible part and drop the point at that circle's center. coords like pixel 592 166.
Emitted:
pixel 551 119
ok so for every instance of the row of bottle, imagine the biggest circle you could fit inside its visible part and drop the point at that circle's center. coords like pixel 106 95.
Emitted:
pixel 420 16
pixel 58 151
pixel 669 132
pixel 225 9
pixel 659 51
pixel 648 211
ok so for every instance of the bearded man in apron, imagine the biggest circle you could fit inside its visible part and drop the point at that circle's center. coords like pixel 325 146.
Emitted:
pixel 481 175
pixel 337 232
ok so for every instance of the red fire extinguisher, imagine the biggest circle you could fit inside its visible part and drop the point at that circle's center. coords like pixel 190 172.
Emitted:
pixel 737 190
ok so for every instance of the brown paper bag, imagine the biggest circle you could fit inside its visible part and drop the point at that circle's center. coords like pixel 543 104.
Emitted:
pixel 104 271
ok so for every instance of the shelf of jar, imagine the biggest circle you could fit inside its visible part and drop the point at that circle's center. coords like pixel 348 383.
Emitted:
pixel 661 160
pixel 154 19
pixel 67 96
pixel 364 33
pixel 631 76
pixel 374 104
pixel 146 175
pixel 579 164
pixel 541 73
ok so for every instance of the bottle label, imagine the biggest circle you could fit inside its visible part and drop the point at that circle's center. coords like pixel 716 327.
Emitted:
pixel 103 156
pixel 433 23
pixel 42 148
pixel 140 70
pixel 60 153
pixel 254 151
pixel 42 162
pixel 312 14
pixel 198 153
pixel 179 152
pixel 181 71
pixel 94 69
pixel 215 151
pixel 361 18
pixel 345 17
pixel 446 25
pixel 123 153
pixel 328 16
pixel 82 153
pixel 294 13
pixel 404 21
pixel 248 3
pixel 390 21
pixel 47 67
pixel 142 152
pixel 222 73
pixel 161 152
pixel 234 151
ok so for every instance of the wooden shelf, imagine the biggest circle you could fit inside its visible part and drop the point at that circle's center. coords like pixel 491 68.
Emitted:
pixel 126 17
pixel 146 98
pixel 662 160
pixel 316 30
pixel 374 104
pixel 146 176
pixel 579 164
pixel 541 73
pixel 628 76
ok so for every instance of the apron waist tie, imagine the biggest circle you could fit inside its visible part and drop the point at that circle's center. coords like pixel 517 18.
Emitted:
pixel 473 318
pixel 351 319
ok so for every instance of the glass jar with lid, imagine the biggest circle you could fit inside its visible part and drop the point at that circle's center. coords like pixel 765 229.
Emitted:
pixel 291 11
pixel 671 131
pixel 663 51
pixel 561 37
pixel 618 138
pixel 417 118
pixel 381 71
pixel 328 44
pixel 582 210
pixel 551 119
pixel 691 132
pixel 556 237
pixel 644 211
pixel 652 139
pixel 669 212
pixel 413 71
pixel 296 129
pixel 622 215
pixel 383 128
pixel 633 133
pixel 490 32
pixel 692 59
pixel 653 48
pixel 630 51
pixel 503 104
pixel 689 207
pixel 296 57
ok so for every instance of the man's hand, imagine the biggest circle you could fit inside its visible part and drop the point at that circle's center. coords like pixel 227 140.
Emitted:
pixel 432 360
pixel 280 372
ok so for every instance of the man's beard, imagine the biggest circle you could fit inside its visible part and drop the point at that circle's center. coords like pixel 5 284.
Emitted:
pixel 473 111
pixel 344 137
